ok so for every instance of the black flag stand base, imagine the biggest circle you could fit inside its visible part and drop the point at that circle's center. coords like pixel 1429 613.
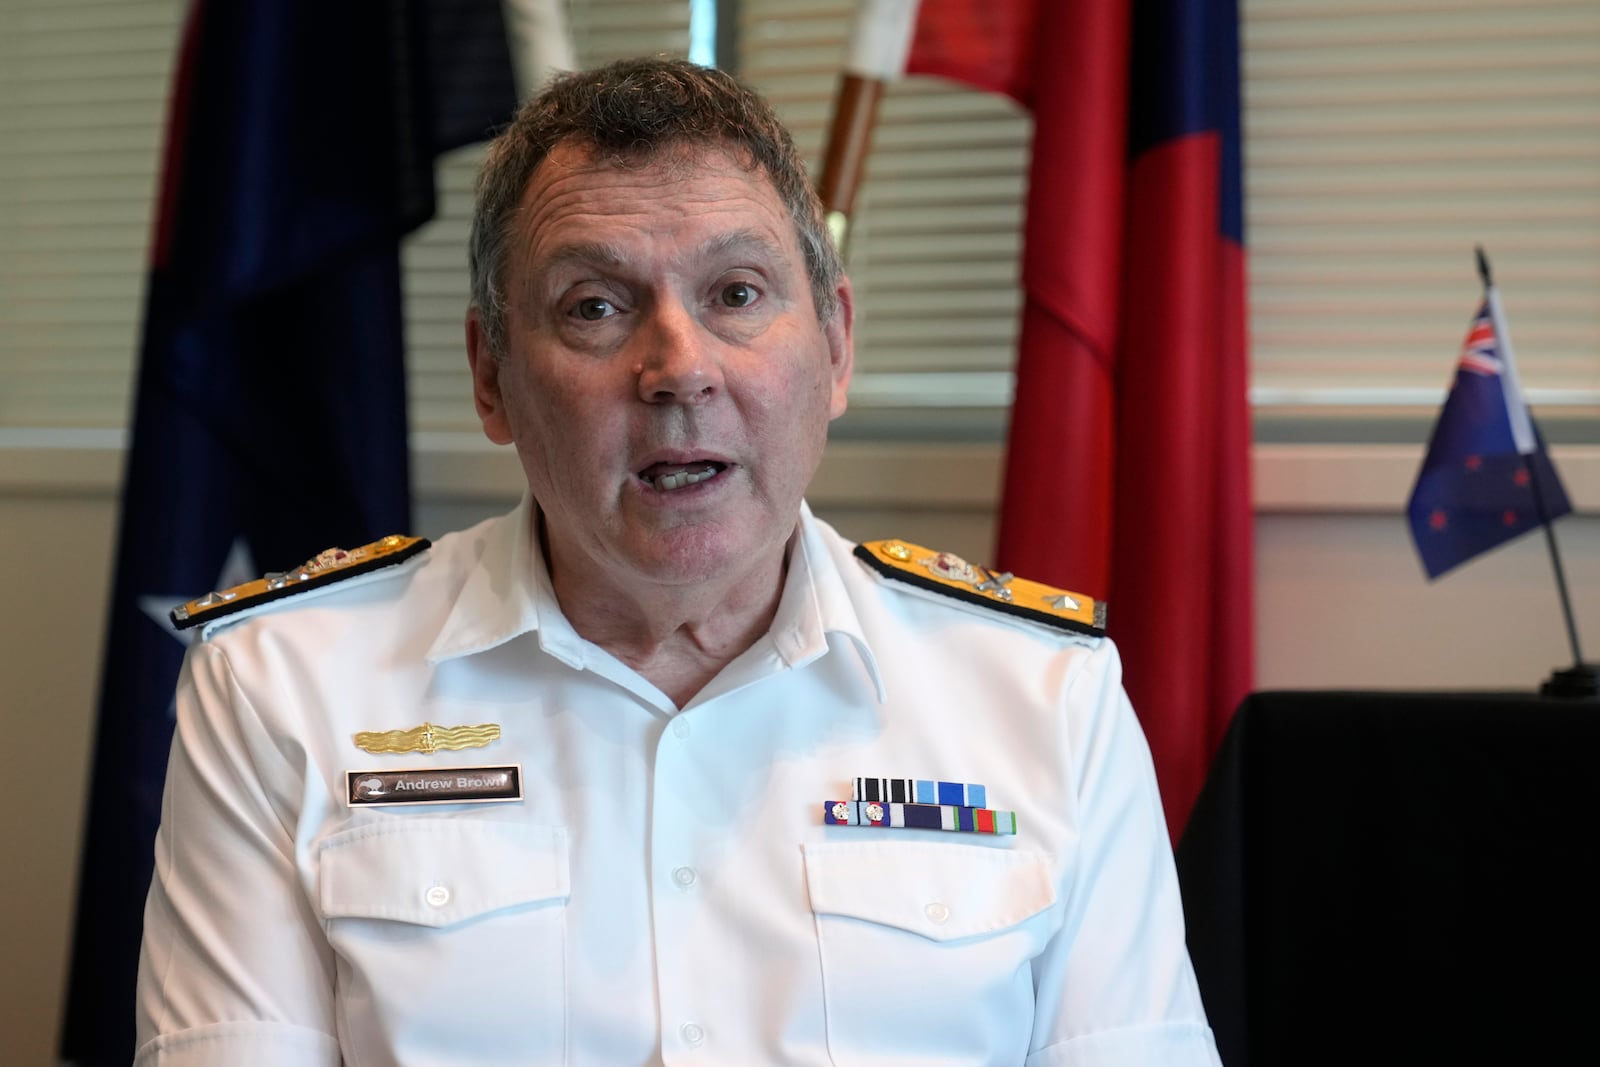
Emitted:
pixel 1579 682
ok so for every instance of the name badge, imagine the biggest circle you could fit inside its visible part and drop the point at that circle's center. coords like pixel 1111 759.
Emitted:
pixel 434 785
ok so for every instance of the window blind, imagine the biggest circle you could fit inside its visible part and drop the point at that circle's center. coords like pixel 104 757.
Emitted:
pixel 83 101
pixel 1383 141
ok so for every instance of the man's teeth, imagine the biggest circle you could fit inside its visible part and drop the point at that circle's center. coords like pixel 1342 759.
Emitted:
pixel 679 479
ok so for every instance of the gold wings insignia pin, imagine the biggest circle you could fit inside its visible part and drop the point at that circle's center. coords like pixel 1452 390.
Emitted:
pixel 428 738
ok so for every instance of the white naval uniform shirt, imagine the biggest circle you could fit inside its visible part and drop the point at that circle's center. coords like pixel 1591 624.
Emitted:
pixel 666 892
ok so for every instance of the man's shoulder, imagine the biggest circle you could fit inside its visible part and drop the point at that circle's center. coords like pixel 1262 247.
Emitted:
pixel 947 578
pixel 329 570
pixel 340 581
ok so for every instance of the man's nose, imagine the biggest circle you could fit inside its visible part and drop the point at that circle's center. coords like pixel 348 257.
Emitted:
pixel 677 359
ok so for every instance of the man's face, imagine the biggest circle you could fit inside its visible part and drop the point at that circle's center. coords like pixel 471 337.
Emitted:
pixel 666 382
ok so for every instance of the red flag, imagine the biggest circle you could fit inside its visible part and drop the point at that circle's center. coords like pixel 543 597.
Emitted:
pixel 1127 469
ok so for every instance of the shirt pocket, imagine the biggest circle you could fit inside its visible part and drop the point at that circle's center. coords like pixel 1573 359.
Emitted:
pixel 925 947
pixel 450 935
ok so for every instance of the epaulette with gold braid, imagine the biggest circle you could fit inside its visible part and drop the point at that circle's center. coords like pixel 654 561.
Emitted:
pixel 329 566
pixel 949 574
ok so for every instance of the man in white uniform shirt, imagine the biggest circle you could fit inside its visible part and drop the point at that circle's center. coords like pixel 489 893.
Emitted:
pixel 611 780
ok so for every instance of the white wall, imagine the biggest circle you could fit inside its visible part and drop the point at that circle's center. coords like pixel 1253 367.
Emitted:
pixel 1341 604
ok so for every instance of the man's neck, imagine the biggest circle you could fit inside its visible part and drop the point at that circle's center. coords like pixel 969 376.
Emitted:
pixel 679 637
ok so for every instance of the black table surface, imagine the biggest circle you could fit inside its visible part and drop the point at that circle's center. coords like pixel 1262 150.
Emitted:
pixel 1399 877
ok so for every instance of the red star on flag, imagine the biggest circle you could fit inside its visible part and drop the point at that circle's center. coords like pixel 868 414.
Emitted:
pixel 1474 462
pixel 1521 477
pixel 1438 520
pixel 1509 518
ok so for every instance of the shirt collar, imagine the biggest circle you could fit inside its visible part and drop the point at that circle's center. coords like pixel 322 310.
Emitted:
pixel 816 603
pixel 508 593
pixel 505 590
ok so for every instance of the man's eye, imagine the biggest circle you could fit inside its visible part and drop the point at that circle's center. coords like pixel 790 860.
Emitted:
pixel 739 294
pixel 595 308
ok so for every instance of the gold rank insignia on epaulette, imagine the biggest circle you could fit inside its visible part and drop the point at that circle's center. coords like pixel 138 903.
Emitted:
pixel 949 574
pixel 329 566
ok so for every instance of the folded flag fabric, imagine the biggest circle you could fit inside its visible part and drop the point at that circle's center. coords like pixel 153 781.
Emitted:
pixel 1486 478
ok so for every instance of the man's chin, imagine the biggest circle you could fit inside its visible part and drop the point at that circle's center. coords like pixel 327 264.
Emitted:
pixel 701 556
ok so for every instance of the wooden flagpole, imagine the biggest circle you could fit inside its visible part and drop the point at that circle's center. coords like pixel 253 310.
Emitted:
pixel 879 43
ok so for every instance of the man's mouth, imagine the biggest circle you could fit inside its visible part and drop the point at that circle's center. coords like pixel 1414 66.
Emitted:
pixel 666 477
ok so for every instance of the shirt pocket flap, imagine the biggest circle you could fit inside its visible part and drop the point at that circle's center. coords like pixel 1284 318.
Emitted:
pixel 940 891
pixel 438 872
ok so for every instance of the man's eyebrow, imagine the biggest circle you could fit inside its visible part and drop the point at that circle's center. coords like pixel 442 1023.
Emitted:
pixel 601 254
pixel 584 253
pixel 741 240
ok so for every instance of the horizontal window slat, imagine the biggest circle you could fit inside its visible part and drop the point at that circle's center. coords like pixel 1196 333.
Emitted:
pixel 87 72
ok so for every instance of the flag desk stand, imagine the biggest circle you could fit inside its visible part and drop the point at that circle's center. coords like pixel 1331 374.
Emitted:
pixel 956 817
pixel 1581 681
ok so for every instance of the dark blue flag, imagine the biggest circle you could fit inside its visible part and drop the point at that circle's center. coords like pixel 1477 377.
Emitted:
pixel 270 418
pixel 1486 478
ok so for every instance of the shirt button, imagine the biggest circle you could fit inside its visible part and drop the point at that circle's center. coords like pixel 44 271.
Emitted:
pixel 692 1033
pixel 438 896
pixel 680 729
pixel 684 876
pixel 937 913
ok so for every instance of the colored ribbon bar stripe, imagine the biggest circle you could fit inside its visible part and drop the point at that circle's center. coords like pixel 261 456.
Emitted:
pixel 921 791
pixel 960 818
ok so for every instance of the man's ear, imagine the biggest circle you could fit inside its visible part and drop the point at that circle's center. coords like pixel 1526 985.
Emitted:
pixel 839 331
pixel 486 382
